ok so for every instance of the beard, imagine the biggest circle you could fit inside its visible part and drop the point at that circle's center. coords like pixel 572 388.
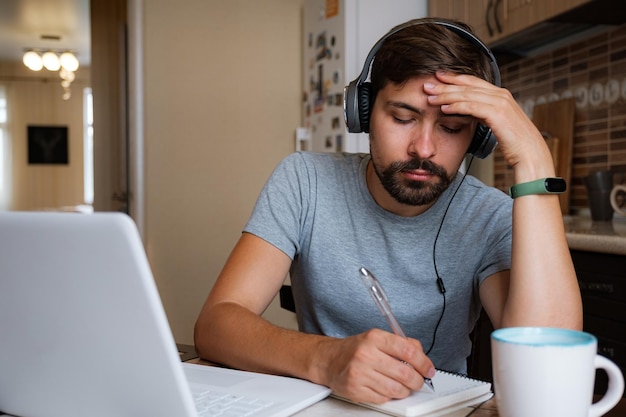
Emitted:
pixel 413 193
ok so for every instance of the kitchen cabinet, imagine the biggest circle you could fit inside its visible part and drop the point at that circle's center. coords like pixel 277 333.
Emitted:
pixel 493 20
pixel 603 287
pixel 602 284
pixel 451 9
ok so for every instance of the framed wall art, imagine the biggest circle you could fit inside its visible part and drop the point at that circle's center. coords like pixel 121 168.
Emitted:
pixel 48 145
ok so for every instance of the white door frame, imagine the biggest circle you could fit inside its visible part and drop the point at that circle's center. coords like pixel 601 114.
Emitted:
pixel 135 113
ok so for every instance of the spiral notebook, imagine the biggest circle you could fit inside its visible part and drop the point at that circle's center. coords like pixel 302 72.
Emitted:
pixel 452 392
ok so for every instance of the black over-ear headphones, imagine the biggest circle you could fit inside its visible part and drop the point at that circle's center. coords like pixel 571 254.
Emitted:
pixel 356 99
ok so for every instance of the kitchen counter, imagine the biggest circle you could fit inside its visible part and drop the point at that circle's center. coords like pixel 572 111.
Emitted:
pixel 607 237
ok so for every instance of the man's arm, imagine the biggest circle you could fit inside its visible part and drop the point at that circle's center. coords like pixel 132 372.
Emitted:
pixel 541 288
pixel 231 331
pixel 247 284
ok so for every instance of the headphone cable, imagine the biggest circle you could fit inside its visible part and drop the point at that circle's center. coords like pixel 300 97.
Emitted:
pixel 442 288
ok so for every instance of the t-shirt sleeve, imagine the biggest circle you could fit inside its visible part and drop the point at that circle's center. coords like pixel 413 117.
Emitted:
pixel 282 204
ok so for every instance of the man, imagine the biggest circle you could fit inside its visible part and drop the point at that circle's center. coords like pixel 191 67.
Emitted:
pixel 442 244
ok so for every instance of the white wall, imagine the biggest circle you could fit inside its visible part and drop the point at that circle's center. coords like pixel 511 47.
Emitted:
pixel 221 104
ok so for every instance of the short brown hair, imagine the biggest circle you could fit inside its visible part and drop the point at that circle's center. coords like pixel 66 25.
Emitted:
pixel 425 48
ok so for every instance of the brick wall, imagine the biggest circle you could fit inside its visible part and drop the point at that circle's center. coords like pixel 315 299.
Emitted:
pixel 594 72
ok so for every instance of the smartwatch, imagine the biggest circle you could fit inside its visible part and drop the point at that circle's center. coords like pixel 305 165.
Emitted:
pixel 540 186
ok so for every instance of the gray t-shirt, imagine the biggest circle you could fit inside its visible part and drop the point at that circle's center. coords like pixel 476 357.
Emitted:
pixel 317 209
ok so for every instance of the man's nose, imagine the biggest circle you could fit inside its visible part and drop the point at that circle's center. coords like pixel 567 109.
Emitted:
pixel 422 144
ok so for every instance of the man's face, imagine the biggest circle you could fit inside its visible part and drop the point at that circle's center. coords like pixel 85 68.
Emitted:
pixel 416 149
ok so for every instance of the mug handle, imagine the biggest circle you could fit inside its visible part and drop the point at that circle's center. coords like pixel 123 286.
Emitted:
pixel 613 199
pixel 616 387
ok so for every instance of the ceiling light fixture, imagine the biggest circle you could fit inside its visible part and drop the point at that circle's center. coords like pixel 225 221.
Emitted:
pixel 63 61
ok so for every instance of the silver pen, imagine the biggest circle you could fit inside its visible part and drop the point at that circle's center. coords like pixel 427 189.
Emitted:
pixel 380 298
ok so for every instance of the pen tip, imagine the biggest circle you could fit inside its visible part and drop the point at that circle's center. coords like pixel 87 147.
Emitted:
pixel 429 382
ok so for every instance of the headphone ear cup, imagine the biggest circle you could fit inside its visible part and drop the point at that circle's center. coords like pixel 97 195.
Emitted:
pixel 351 107
pixel 364 106
pixel 483 142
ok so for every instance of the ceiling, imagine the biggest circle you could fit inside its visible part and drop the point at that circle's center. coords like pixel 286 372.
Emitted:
pixel 24 22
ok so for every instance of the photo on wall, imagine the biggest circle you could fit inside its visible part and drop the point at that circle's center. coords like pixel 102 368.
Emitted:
pixel 48 145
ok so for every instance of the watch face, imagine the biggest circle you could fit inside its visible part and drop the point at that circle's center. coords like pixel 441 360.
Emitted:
pixel 555 185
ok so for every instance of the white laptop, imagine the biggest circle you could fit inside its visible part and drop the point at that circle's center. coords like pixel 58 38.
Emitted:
pixel 83 331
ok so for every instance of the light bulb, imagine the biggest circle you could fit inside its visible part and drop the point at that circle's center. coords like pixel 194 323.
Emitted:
pixel 69 61
pixel 32 60
pixel 67 75
pixel 51 61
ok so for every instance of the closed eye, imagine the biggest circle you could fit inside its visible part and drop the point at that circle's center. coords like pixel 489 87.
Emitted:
pixel 455 124
pixel 401 121
pixel 451 130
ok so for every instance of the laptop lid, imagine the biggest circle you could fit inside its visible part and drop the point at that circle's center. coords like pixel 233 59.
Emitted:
pixel 83 331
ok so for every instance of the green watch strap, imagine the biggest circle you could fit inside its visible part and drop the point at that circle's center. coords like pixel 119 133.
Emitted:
pixel 540 186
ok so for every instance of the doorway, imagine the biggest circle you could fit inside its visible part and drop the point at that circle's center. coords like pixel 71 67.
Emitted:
pixel 35 99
